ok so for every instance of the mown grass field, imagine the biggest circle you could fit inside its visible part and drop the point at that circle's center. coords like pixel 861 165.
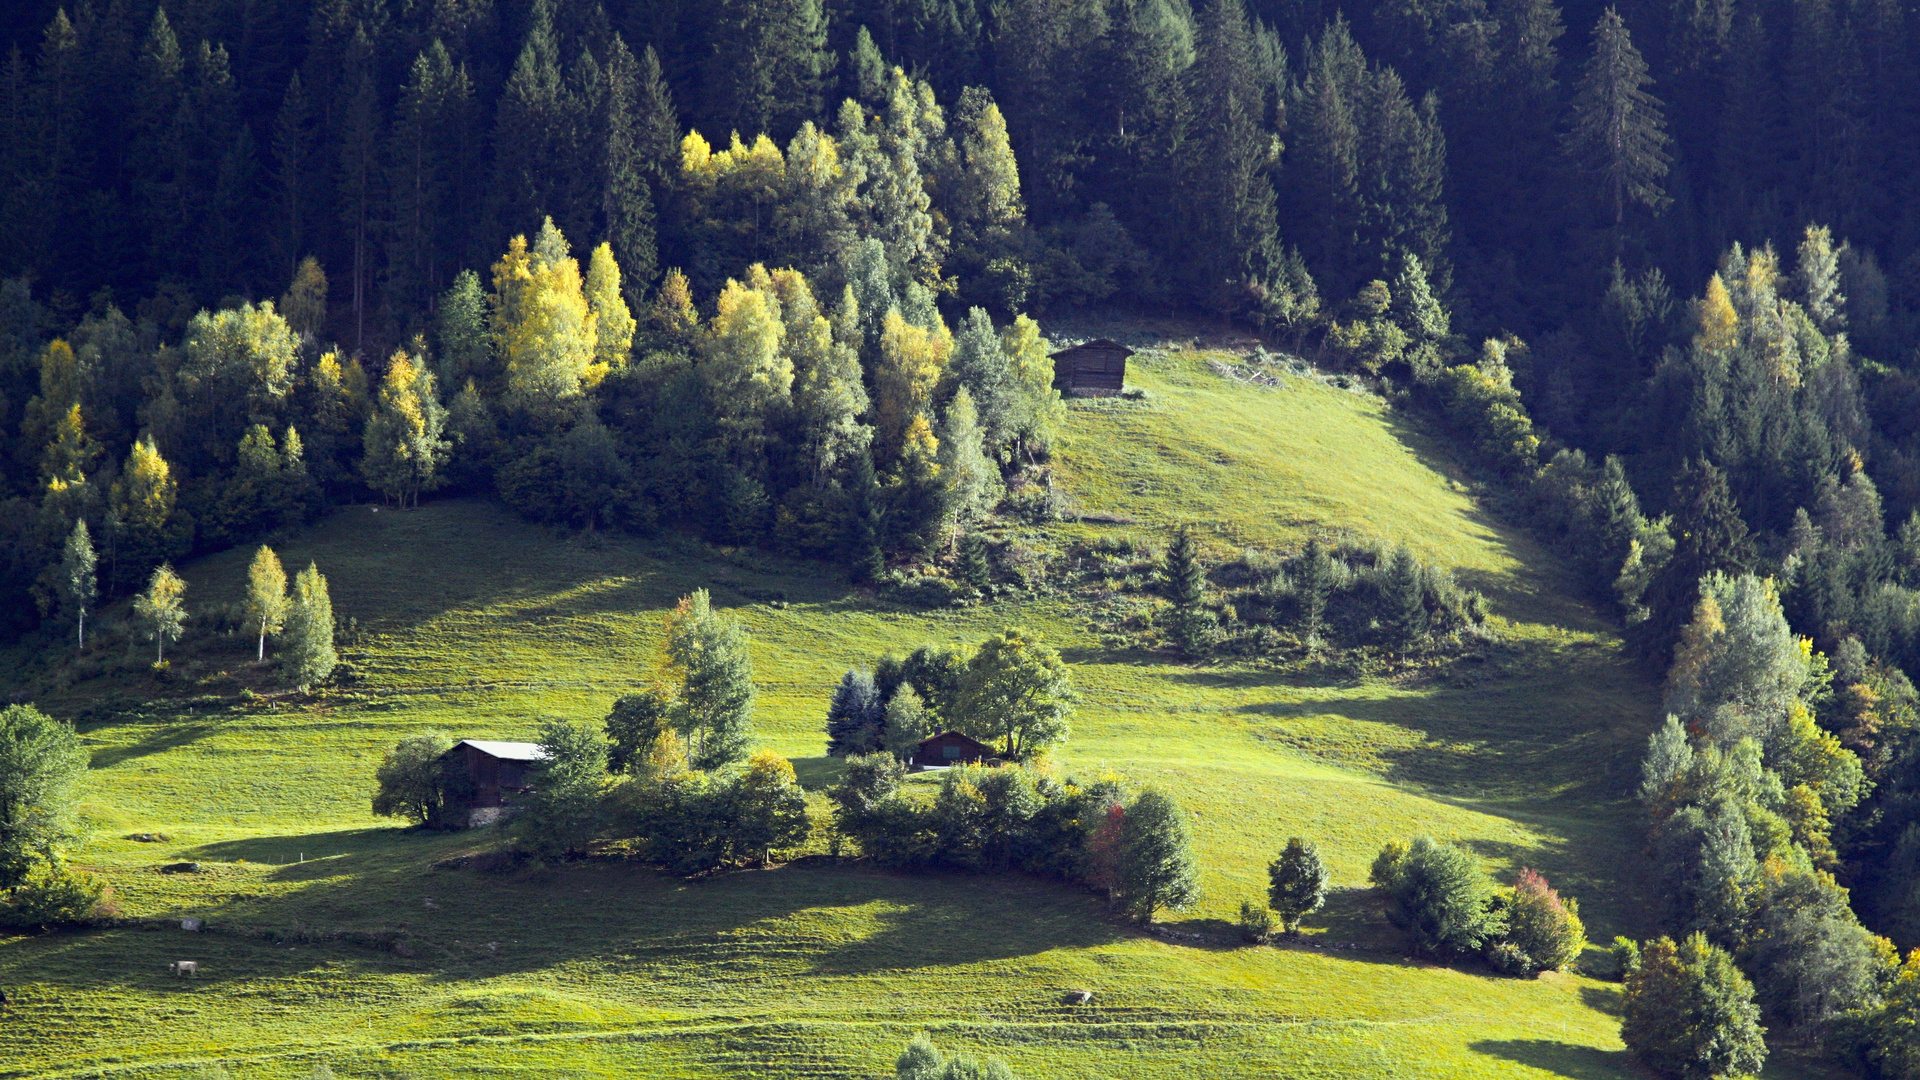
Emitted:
pixel 478 624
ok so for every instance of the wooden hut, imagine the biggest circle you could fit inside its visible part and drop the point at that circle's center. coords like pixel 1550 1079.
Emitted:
pixel 950 748
pixel 483 777
pixel 1096 368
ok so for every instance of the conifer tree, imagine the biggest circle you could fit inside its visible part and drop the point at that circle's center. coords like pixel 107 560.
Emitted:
pixel 854 716
pixel 981 366
pixel 1296 883
pixel 466 347
pixel 773 72
pixel 533 123
pixel 266 597
pixel 161 609
pixel 309 654
pixel 627 203
pixel 1236 248
pixel 292 147
pixel 423 177
pixel 357 192
pixel 78 584
pixel 1156 865
pixel 1618 133
pixel 656 128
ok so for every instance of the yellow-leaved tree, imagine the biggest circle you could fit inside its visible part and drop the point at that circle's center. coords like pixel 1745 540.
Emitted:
pixel 911 361
pixel 141 523
pixel 743 356
pixel 613 322
pixel 542 324
pixel 406 436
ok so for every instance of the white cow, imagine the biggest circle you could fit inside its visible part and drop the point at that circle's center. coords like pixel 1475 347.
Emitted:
pixel 187 967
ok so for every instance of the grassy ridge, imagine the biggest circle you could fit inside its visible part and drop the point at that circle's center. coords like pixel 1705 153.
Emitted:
pixel 479 624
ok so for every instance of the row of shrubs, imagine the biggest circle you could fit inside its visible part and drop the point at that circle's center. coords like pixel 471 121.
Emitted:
pixel 1328 595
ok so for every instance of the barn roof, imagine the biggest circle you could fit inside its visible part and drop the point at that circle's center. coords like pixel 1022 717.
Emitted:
pixel 507 751
pixel 1096 345
pixel 953 735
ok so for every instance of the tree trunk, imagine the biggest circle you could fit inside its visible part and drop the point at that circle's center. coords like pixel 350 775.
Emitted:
pixel 262 658
pixel 83 632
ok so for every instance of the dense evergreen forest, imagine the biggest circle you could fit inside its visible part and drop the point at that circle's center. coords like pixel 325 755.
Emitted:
pixel 770 269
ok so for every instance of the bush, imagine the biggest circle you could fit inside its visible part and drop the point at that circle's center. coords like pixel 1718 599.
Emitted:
pixel 1257 923
pixel 56 897
pixel 1544 932
pixel 1626 956
pixel 1439 895
pixel 1688 1013
pixel 411 780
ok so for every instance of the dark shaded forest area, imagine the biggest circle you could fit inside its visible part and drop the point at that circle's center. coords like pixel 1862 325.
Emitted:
pixel 768 269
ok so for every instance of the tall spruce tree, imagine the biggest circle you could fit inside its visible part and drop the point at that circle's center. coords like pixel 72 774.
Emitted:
pixel 1617 132
pixel 626 196
pixel 1236 246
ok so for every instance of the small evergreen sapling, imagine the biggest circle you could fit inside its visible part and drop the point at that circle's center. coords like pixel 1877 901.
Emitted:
pixel 1297 883
pixel 855 716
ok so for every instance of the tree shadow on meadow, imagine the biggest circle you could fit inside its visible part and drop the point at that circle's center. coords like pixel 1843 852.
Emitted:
pixel 163 736
pixel 1559 1058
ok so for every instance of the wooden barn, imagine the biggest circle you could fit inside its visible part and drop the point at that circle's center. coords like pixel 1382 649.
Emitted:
pixel 950 748
pixel 484 777
pixel 1096 368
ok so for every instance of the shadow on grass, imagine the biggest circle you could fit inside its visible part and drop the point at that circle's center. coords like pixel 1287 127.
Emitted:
pixel 1558 1058
pixel 172 736
pixel 321 850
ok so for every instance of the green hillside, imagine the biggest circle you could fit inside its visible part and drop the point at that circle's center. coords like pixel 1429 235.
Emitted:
pixel 474 622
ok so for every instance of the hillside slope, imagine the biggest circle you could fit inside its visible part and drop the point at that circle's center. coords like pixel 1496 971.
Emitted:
pixel 473 622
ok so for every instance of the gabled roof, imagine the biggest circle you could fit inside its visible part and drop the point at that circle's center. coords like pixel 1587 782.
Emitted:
pixel 954 734
pixel 1096 345
pixel 506 751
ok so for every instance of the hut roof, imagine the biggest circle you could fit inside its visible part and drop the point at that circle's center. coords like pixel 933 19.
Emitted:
pixel 952 736
pixel 1104 345
pixel 507 751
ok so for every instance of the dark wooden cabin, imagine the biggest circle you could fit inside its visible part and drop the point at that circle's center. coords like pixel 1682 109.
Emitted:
pixel 1096 368
pixel 950 748
pixel 489 775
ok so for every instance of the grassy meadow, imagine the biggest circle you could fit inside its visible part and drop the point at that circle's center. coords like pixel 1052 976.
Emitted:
pixel 332 935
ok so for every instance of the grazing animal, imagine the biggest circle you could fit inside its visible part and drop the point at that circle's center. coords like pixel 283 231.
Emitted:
pixel 1078 997
pixel 187 967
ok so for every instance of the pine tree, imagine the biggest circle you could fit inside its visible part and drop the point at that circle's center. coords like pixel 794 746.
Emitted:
pixel 292 147
pixel 1323 168
pixel 533 122
pixel 309 654
pixel 627 202
pixel 358 192
pixel 773 72
pixel 266 596
pixel 1709 535
pixel 78 585
pixel 1296 883
pixel 423 178
pixel 981 366
pixel 1156 865
pixel 466 347
pixel 1236 247
pixel 161 609
pixel 1618 132
pixel 854 716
